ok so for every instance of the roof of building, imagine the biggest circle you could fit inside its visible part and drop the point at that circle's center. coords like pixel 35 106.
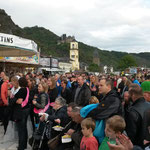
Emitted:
pixel 64 59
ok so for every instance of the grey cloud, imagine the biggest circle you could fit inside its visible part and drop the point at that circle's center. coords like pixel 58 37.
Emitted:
pixel 111 24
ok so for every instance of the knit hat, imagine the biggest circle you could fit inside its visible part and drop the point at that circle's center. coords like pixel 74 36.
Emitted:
pixel 145 86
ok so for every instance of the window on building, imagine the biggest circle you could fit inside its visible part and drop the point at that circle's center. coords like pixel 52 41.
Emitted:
pixel 72 56
pixel 72 46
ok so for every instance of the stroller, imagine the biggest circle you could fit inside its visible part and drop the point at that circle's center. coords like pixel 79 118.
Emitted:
pixel 42 132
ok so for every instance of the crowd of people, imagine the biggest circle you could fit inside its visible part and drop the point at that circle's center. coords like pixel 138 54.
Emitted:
pixel 96 112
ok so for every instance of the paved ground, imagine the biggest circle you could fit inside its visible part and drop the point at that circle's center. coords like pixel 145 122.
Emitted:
pixel 8 145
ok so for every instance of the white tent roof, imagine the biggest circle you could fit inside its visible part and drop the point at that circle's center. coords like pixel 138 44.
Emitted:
pixel 52 69
pixel 14 46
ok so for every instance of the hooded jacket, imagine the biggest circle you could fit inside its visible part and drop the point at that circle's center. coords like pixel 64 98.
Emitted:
pixel 109 106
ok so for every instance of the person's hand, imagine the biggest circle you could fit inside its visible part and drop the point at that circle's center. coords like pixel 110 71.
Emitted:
pixel 19 101
pixel 34 102
pixel 58 84
pixel 125 141
pixel 119 146
pixel 42 118
pixel 88 84
pixel 35 97
pixel 70 131
pixel 93 89
pixel 8 93
pixel 146 142
pixel 57 121
pixel 6 103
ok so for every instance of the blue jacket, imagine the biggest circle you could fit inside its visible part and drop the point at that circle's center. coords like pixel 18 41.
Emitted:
pixel 100 126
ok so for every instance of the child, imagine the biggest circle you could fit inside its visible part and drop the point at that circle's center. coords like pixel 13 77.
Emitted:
pixel 93 100
pixel 114 127
pixel 88 141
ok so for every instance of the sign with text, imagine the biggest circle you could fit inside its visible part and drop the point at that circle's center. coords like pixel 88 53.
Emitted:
pixel 17 42
pixel 27 60
pixel 45 62
pixel 54 62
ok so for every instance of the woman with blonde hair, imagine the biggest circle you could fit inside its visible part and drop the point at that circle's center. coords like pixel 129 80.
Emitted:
pixel 41 101
pixel 52 90
pixel 126 86
pixel 94 85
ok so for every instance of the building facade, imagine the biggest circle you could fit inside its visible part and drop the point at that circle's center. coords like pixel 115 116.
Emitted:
pixel 96 59
pixel 74 55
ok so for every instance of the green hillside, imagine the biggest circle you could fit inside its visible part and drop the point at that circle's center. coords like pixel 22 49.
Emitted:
pixel 47 41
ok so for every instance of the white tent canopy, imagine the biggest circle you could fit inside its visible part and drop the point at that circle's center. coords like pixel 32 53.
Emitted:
pixel 14 46
pixel 52 69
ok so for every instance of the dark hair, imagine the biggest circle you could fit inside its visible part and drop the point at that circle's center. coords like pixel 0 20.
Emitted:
pixel 23 82
pixel 65 81
pixel 108 82
pixel 148 77
pixel 133 77
pixel 72 104
pixel 29 74
pixel 53 82
pixel 32 81
pixel 136 90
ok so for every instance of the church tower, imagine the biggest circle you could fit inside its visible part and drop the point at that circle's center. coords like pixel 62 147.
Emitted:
pixel 74 55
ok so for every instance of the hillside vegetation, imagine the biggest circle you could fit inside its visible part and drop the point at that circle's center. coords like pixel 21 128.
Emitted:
pixel 47 41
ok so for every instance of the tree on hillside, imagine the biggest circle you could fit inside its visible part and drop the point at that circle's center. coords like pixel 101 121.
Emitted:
pixel 94 68
pixel 127 61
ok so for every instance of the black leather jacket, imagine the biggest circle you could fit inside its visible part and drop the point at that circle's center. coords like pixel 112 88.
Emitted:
pixel 83 96
pixel 109 106
pixel 135 122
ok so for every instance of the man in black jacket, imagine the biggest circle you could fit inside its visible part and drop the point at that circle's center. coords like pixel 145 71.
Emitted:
pixel 76 134
pixel 135 118
pixel 110 104
pixel 82 93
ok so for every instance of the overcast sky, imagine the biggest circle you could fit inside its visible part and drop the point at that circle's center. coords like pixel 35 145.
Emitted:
pixel 120 25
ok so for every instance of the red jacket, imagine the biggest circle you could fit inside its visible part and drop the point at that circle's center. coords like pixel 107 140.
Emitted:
pixel 4 92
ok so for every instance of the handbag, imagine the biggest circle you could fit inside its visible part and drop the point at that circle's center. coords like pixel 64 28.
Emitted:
pixel 54 142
